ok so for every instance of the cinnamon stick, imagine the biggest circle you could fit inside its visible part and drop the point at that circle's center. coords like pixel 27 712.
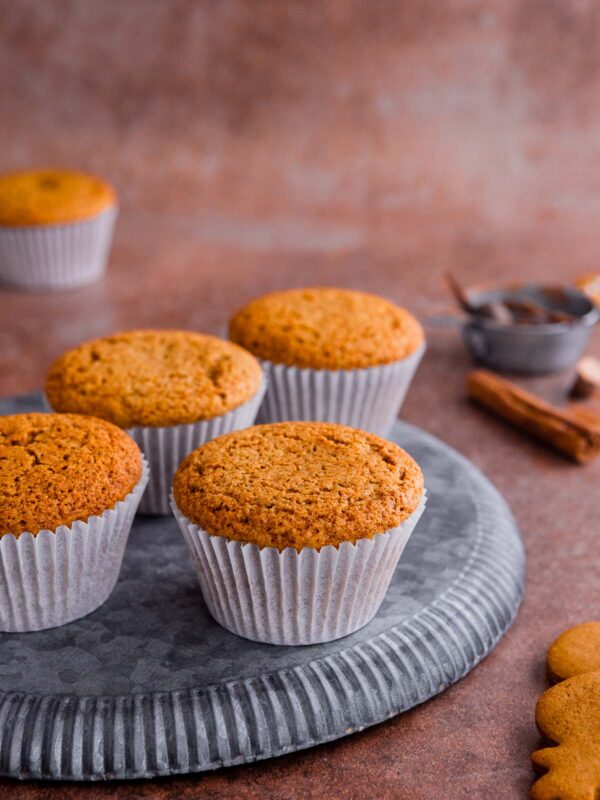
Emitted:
pixel 585 414
pixel 573 435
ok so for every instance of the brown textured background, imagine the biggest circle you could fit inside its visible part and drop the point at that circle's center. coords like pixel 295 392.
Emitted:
pixel 367 144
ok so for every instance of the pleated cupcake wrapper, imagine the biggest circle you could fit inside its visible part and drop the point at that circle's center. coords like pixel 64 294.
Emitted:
pixel 58 576
pixel 291 597
pixel 56 256
pixel 165 448
pixel 361 398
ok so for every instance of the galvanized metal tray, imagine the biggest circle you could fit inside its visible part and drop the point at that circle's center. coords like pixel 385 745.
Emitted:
pixel 149 685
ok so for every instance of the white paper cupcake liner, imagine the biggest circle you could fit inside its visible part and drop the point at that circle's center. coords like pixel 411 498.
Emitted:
pixel 361 398
pixel 58 576
pixel 165 448
pixel 56 256
pixel 292 597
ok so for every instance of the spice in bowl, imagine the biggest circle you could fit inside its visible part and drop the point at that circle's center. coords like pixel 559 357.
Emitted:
pixel 529 329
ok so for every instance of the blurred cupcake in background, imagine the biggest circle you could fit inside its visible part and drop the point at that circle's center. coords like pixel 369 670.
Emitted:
pixel 56 228
pixel 331 355
pixel 172 391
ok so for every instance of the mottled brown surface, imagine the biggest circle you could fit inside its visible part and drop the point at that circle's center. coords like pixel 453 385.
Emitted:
pixel 325 328
pixel 59 468
pixel 370 145
pixel 298 484
pixel 153 377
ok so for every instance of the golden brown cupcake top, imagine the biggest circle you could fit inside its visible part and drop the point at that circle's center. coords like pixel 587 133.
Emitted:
pixel 47 196
pixel 326 328
pixel 298 484
pixel 59 468
pixel 153 378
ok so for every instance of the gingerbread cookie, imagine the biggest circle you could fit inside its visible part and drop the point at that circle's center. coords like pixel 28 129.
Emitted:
pixel 575 652
pixel 569 715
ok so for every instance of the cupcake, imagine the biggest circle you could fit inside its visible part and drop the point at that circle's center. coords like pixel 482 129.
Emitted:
pixel 331 355
pixel 171 390
pixel 296 528
pixel 71 485
pixel 56 228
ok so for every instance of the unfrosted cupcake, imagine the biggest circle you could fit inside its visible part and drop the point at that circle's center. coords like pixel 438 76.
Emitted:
pixel 171 390
pixel 296 528
pixel 331 355
pixel 70 486
pixel 56 228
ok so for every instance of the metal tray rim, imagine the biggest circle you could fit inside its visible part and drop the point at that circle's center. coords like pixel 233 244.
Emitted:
pixel 151 734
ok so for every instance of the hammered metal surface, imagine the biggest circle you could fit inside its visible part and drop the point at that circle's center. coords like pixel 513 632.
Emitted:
pixel 150 685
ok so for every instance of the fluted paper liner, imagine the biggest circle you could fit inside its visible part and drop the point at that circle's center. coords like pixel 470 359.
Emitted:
pixel 58 576
pixel 56 256
pixel 361 398
pixel 165 448
pixel 292 597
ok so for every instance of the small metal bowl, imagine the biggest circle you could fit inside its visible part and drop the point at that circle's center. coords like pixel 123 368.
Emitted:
pixel 531 348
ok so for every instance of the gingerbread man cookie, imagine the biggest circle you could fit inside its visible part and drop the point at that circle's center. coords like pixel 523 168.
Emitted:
pixel 569 715
pixel 575 652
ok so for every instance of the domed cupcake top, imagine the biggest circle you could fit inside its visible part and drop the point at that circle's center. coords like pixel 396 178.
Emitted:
pixel 298 484
pixel 153 378
pixel 59 468
pixel 47 196
pixel 326 328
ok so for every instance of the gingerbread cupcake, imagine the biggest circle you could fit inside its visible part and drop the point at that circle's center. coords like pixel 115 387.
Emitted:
pixel 331 355
pixel 70 486
pixel 296 528
pixel 56 228
pixel 171 390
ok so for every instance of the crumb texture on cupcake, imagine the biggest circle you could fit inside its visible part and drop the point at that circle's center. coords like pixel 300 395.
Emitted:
pixel 153 378
pixel 326 328
pixel 59 468
pixel 298 484
pixel 47 196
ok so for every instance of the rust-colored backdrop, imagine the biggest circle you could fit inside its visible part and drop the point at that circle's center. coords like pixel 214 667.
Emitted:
pixel 258 145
